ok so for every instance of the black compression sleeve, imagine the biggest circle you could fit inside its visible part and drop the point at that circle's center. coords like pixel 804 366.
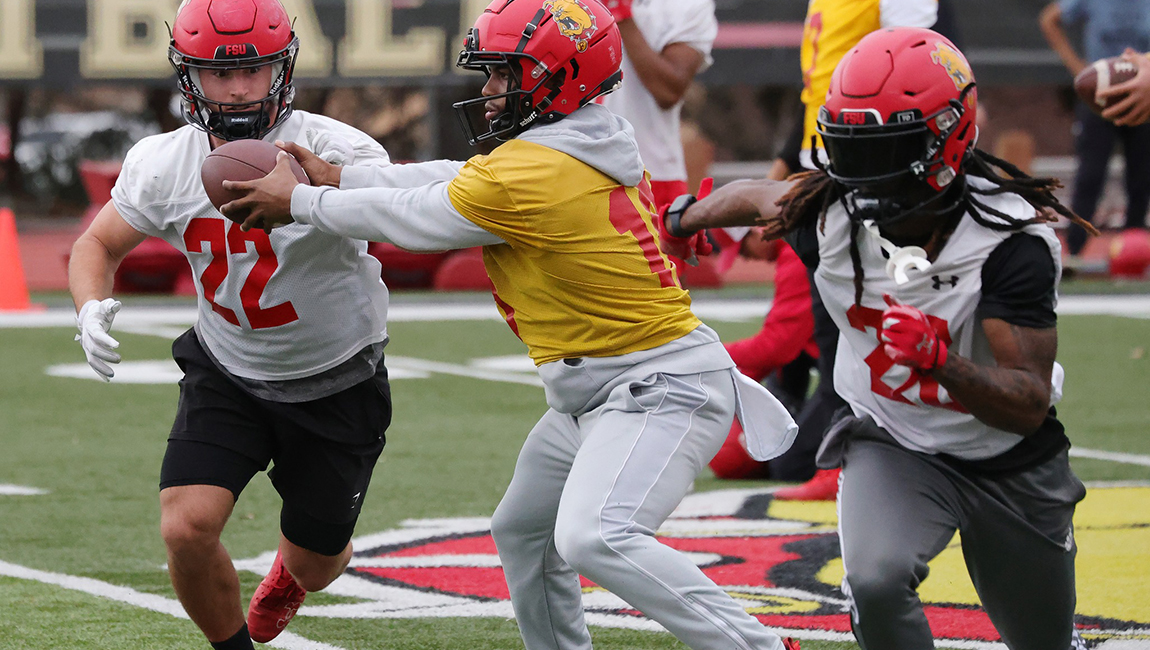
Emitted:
pixel 1018 283
pixel 805 241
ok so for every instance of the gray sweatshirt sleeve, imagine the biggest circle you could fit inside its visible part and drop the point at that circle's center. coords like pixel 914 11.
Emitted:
pixel 398 176
pixel 419 218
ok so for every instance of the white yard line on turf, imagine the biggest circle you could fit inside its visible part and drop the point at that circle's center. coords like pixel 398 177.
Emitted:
pixel 7 489
pixel 286 640
pixel 1113 456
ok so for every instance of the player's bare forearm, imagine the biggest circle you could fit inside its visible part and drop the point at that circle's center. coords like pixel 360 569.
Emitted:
pixel 1014 395
pixel 741 203
pixel 667 74
pixel 91 270
pixel 97 254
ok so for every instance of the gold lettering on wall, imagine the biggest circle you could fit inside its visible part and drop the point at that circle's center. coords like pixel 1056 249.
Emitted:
pixel 369 47
pixel 314 59
pixel 127 39
pixel 21 56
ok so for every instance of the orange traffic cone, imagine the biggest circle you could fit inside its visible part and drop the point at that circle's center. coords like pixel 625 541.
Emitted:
pixel 13 288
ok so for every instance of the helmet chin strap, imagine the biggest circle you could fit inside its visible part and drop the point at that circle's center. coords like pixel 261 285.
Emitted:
pixel 901 258
pixel 239 125
pixel 502 121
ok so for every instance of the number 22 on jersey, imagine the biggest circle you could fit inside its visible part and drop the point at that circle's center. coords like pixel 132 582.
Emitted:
pixel 222 239
pixel 864 318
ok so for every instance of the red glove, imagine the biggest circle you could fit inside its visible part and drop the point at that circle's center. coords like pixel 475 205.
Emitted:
pixel 620 9
pixel 685 246
pixel 908 337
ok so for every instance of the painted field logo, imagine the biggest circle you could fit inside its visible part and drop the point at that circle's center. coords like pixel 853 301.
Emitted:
pixel 779 559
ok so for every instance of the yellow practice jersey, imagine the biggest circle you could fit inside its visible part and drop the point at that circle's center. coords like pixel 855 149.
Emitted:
pixel 581 273
pixel 832 28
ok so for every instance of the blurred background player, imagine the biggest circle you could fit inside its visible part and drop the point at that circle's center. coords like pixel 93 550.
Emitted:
pixel 939 267
pixel 665 44
pixel 641 393
pixel 831 29
pixel 1108 28
pixel 269 374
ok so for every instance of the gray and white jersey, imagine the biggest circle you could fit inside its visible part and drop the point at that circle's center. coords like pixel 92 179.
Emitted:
pixel 913 407
pixel 283 306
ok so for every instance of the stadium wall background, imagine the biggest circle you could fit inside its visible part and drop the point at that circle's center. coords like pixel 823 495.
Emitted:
pixel 61 43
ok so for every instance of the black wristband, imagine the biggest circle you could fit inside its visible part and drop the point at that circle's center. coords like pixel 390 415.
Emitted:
pixel 675 215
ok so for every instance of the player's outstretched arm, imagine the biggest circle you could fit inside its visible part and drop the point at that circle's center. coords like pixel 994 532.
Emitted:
pixel 319 171
pixel 741 203
pixel 419 218
pixel 1131 98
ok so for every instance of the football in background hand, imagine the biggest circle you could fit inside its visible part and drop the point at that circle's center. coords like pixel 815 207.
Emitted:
pixel 1101 75
pixel 240 160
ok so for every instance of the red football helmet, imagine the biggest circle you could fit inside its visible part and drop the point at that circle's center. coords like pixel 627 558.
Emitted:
pixel 232 35
pixel 901 106
pixel 561 54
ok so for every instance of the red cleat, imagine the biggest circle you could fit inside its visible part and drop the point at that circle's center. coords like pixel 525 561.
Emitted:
pixel 790 644
pixel 274 604
pixel 823 487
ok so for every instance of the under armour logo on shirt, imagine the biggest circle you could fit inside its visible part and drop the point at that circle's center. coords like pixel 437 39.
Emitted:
pixel 938 281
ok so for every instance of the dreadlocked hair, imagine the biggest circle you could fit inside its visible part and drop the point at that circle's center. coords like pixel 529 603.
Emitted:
pixel 815 191
pixel 1038 192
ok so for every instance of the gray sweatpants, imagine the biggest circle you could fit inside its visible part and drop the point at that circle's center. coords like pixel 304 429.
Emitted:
pixel 898 509
pixel 588 493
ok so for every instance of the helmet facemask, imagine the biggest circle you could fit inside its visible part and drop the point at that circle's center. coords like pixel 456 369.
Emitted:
pixel 520 112
pixel 897 170
pixel 560 55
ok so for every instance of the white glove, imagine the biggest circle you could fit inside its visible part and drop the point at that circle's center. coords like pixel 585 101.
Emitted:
pixel 94 321
pixel 333 148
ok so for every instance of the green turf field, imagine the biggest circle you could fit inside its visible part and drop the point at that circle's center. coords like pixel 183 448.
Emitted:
pixel 95 451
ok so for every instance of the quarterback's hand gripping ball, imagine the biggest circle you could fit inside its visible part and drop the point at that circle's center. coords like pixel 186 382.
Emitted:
pixel 908 338
pixel 240 160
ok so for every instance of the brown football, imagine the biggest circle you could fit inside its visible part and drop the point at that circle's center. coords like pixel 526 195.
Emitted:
pixel 1099 76
pixel 240 160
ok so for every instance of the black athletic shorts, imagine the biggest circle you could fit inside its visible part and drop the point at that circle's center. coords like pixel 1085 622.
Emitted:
pixel 322 452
